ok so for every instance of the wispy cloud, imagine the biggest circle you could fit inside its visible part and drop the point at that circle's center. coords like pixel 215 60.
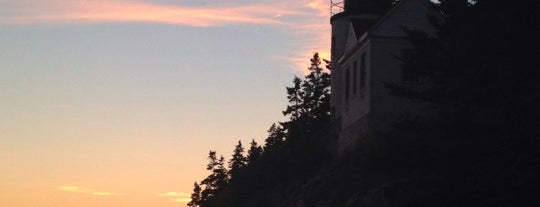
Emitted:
pixel 173 194
pixel 317 35
pixel 72 188
pixel 315 30
pixel 99 11
pixel 182 200
pixel 320 5
pixel 180 197
pixel 77 189
pixel 101 193
pixel 307 19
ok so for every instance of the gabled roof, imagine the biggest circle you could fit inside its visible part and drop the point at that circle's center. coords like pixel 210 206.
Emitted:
pixel 360 26
pixel 386 27
pixel 357 27
pixel 410 18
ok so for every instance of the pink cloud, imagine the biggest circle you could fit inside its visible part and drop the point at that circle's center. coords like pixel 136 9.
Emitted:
pixel 323 6
pixel 306 19
pixel 98 11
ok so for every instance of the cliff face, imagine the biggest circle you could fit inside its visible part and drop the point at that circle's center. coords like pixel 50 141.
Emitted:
pixel 477 145
pixel 404 170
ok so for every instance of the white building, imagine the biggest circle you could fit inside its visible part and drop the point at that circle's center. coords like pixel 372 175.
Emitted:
pixel 367 43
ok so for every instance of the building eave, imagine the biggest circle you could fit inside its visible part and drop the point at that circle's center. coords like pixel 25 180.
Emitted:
pixel 368 35
pixel 345 58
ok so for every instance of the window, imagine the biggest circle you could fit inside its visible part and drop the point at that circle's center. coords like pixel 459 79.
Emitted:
pixel 333 46
pixel 347 84
pixel 355 76
pixel 363 70
pixel 409 77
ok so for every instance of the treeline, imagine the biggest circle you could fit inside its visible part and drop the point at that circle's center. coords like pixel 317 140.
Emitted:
pixel 293 150
pixel 475 141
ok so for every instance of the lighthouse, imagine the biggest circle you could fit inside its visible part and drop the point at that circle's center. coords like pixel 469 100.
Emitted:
pixel 368 43
pixel 363 14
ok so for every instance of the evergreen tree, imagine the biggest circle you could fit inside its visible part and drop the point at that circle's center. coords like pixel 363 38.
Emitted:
pixel 316 88
pixel 276 136
pixel 218 178
pixel 285 157
pixel 238 160
pixel 295 95
pixel 254 153
pixel 481 85
pixel 195 196
pixel 472 63
pixel 309 101
pixel 206 195
pixel 222 174
pixel 310 97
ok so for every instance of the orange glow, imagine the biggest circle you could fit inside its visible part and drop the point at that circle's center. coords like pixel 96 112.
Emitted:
pixel 70 188
pixel 182 200
pixel 301 60
pixel 177 196
pixel 321 6
pixel 319 42
pixel 103 193
pixel 86 163
pixel 77 189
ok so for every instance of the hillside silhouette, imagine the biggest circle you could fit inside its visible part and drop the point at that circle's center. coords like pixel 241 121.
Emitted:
pixel 474 143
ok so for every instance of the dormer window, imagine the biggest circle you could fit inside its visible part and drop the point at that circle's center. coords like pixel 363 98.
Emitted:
pixel 355 76
pixel 363 70
pixel 409 76
pixel 347 83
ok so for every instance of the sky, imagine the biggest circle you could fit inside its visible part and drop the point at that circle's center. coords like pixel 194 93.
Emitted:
pixel 117 103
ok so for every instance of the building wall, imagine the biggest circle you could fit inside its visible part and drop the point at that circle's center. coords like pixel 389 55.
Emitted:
pixel 354 121
pixel 386 68
pixel 367 111
pixel 357 104
pixel 388 40
pixel 371 108
pixel 353 136
pixel 340 28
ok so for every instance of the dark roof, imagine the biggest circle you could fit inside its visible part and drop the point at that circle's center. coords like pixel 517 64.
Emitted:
pixel 367 6
pixel 361 25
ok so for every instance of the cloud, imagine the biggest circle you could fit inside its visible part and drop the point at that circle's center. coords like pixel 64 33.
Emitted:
pixel 317 35
pixel 182 200
pixel 99 11
pixel 300 60
pixel 313 26
pixel 308 20
pixel 180 197
pixel 322 6
pixel 173 194
pixel 71 188
pixel 99 193
pixel 77 189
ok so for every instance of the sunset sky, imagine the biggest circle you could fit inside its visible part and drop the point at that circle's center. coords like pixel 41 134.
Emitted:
pixel 117 103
